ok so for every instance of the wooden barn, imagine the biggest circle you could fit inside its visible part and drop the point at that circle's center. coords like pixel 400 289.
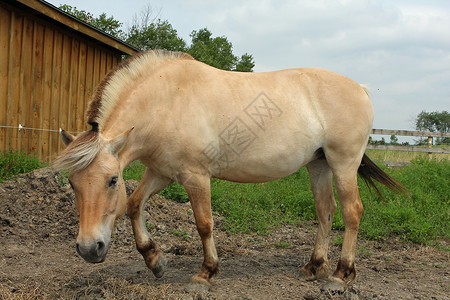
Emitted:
pixel 50 64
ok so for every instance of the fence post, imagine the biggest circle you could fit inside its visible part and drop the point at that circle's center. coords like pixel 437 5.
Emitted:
pixel 430 145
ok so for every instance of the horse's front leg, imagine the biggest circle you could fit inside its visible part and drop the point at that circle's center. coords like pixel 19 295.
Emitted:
pixel 149 185
pixel 199 192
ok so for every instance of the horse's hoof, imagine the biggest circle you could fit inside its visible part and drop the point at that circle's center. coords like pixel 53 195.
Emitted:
pixel 334 286
pixel 195 288
pixel 320 272
pixel 198 285
pixel 158 269
pixel 306 276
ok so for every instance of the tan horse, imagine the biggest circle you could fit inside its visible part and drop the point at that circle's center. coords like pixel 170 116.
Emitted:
pixel 188 122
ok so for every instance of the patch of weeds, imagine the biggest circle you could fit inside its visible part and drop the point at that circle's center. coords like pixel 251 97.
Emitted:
pixel 176 193
pixel 338 240
pixel 63 178
pixel 134 171
pixel 363 251
pixel 149 226
pixel 180 233
pixel 14 162
pixel 282 244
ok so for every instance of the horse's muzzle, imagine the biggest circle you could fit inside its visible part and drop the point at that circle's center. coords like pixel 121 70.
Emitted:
pixel 93 252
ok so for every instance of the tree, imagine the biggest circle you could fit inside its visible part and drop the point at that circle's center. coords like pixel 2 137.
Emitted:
pixel 108 25
pixel 157 35
pixel 434 121
pixel 245 64
pixel 394 140
pixel 217 52
pixel 148 32
pixel 102 22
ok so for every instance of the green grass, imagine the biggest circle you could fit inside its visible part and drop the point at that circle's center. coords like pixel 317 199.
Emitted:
pixel 421 218
pixel 261 207
pixel 134 171
pixel 13 162
pixel 424 217
pixel 405 156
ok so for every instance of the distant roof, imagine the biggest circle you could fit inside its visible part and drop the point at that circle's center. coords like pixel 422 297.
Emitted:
pixel 50 12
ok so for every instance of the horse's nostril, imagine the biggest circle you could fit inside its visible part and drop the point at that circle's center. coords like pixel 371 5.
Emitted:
pixel 100 246
pixel 77 247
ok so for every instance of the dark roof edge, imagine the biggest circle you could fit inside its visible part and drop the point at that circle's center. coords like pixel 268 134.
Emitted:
pixel 84 28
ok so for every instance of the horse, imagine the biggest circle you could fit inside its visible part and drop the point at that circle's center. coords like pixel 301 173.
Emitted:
pixel 188 122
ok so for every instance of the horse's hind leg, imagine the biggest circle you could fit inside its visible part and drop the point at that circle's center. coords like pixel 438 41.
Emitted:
pixel 345 174
pixel 321 179
pixel 199 192
pixel 149 185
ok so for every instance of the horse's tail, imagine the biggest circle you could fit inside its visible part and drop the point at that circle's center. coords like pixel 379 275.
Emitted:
pixel 366 89
pixel 369 172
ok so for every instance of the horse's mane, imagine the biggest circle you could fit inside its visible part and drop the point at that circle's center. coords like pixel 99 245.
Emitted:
pixel 80 153
pixel 83 150
pixel 121 78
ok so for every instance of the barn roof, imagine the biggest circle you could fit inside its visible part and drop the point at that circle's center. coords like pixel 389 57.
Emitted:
pixel 49 12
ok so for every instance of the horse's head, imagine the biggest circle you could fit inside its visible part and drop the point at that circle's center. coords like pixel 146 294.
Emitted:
pixel 99 190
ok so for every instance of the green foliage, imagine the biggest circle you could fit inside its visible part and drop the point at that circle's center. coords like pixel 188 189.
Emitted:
pixel 79 14
pixel 423 218
pixel 434 121
pixel 217 52
pixel 13 162
pixel 134 171
pixel 394 140
pixel 245 64
pixel 147 33
pixel 183 234
pixel 108 25
pixel 338 240
pixel 281 244
pixel 157 35
pixel 149 226
pixel 102 22
pixel 261 207
pixel 175 192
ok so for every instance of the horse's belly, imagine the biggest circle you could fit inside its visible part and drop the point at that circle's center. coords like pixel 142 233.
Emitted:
pixel 262 166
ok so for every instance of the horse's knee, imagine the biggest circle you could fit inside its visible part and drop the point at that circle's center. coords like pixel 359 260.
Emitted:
pixel 352 214
pixel 133 210
pixel 205 228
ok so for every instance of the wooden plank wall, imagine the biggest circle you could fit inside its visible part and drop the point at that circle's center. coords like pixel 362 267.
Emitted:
pixel 47 77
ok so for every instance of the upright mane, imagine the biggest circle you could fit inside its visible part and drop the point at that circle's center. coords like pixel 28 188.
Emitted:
pixel 118 80
pixel 82 151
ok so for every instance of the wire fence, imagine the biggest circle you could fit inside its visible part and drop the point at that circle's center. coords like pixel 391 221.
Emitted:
pixel 20 128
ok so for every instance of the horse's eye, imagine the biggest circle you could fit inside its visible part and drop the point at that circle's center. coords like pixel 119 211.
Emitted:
pixel 113 180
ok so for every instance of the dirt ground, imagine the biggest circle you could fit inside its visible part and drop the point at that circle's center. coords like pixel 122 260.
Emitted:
pixel 38 228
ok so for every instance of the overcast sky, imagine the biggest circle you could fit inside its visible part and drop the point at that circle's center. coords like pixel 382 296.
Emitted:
pixel 401 49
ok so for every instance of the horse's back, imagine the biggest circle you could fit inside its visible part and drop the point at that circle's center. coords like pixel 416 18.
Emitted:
pixel 257 126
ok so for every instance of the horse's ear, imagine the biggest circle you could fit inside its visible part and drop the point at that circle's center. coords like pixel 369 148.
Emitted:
pixel 117 143
pixel 66 137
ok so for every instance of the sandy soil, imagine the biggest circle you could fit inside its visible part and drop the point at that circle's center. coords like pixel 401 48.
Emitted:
pixel 38 227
